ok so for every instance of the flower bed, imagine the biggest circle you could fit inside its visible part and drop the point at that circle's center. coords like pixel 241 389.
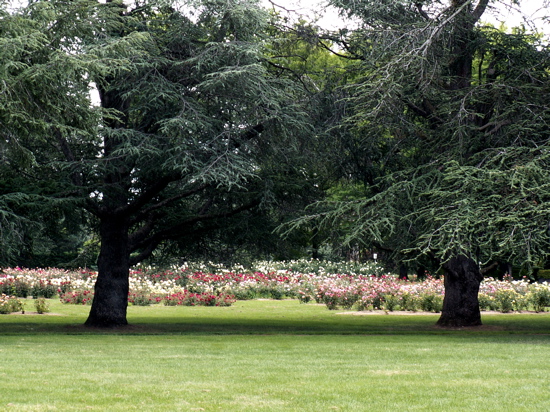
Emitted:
pixel 348 286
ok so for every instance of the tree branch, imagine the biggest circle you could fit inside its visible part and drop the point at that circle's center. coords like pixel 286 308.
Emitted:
pixel 69 155
pixel 343 56
pixel 422 12
pixel 144 213
pixel 145 197
pixel 490 267
pixel 148 245
pixel 295 74
pixel 479 10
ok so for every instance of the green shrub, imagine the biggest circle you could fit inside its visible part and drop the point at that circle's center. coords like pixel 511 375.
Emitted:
pixel 244 293
pixel 15 287
pixel 277 292
pixel 10 304
pixel 140 299
pixel 486 302
pixel 77 297
pixel 186 298
pixel 521 302
pixel 41 305
pixel 43 289
pixel 306 293
pixel 411 302
pixel 363 303
pixel 348 298
pixel 431 302
pixel 539 297
pixel 505 300
pixel 331 301
pixel 390 302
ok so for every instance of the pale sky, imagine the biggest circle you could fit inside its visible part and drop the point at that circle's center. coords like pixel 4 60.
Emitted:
pixel 534 10
pixel 531 10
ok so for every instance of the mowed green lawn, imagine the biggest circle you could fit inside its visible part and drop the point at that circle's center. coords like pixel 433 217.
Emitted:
pixel 272 356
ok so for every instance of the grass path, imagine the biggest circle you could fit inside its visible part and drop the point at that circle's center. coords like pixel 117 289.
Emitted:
pixel 272 356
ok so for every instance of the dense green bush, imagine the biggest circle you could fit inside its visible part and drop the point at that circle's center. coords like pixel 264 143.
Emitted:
pixel 10 304
pixel 41 305
pixel 539 297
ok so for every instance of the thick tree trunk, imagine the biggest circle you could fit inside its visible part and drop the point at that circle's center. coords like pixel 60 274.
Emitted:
pixel 111 289
pixel 461 304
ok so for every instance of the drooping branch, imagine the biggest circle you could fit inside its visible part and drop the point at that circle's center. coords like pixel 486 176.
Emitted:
pixel 275 5
pixel 350 56
pixel 294 74
pixel 165 202
pixel 489 268
pixel 148 245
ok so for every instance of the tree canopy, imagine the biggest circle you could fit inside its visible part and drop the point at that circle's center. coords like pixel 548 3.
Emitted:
pixel 187 117
pixel 174 124
pixel 458 116
pixel 455 114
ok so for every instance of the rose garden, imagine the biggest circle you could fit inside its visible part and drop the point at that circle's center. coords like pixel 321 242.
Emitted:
pixel 360 288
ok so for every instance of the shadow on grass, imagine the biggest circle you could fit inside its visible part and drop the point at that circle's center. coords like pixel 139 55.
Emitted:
pixel 264 317
pixel 494 325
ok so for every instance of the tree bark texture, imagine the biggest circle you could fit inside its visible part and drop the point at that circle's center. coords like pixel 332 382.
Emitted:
pixel 461 304
pixel 112 286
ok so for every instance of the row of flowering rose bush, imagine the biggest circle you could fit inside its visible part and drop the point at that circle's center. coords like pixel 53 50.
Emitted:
pixel 385 292
pixel 142 298
pixel 389 293
pixel 11 304
pixel 347 286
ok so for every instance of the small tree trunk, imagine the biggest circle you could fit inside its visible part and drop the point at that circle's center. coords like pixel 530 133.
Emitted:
pixel 461 304
pixel 420 273
pixel 112 286
pixel 403 272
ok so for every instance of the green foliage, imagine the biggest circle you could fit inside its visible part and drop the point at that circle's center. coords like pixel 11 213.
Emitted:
pixel 431 302
pixel 140 298
pixel 411 302
pixel 505 300
pixel 186 131
pixel 10 304
pixel 391 302
pixel 43 289
pixel 41 305
pixel 486 302
pixel 455 120
pixel 539 297
pixel 196 299
pixel 77 297
pixel 16 287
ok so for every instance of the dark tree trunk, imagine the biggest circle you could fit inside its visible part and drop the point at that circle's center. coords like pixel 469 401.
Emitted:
pixel 112 285
pixel 403 272
pixel 420 273
pixel 461 304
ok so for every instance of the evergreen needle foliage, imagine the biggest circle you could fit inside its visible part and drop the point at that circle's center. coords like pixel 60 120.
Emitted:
pixel 180 140
pixel 455 114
